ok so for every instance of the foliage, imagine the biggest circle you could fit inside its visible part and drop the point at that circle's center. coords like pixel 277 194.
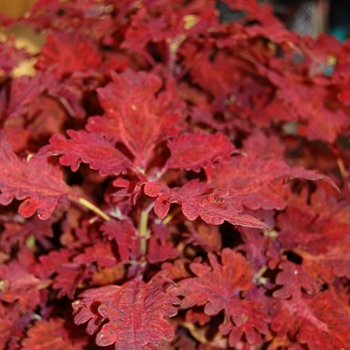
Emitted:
pixel 169 178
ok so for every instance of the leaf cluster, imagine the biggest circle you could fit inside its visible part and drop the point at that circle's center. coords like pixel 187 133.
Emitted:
pixel 171 179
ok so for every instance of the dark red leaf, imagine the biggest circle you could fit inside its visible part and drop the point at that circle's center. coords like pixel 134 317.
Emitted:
pixel 86 310
pixel 158 252
pixel 69 276
pixel 18 284
pixel 124 234
pixel 89 148
pixel 319 233
pixel 218 288
pixel 320 315
pixel 215 286
pixel 258 145
pixel 15 235
pixel 206 236
pixel 248 317
pixel 294 280
pixel 135 312
pixel 52 334
pixel 23 91
pixel 69 53
pixel 50 263
pixel 263 183
pixel 178 270
pixel 109 275
pixel 199 200
pixel 100 252
pixel 310 105
pixel 134 115
pixel 35 181
pixel 334 263
pixel 196 151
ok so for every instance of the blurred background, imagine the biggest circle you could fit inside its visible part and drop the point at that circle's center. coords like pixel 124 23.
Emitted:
pixel 303 16
pixel 15 8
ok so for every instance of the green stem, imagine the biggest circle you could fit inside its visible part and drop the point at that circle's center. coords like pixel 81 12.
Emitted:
pixel 143 228
pixel 170 216
pixel 258 276
pixel 90 206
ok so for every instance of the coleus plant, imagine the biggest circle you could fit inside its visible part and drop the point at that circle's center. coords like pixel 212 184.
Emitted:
pixel 171 179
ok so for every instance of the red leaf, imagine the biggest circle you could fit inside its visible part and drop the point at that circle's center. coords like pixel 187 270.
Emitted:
pixel 23 91
pixel 311 106
pixel 18 284
pixel 195 151
pixel 258 145
pixel 52 334
pixel 36 181
pixel 168 23
pixel 206 236
pixel 135 312
pixel 334 263
pixel 261 187
pixel 124 234
pixel 69 53
pixel 17 136
pixel 177 270
pixel 318 232
pixel 215 286
pixel 100 252
pixel 50 263
pixel 158 252
pixel 196 316
pixel 294 280
pixel 219 288
pixel 249 317
pixel 320 315
pixel 89 148
pixel 69 276
pixel 104 276
pixel 15 235
pixel 198 199
pixel 134 115
pixel 86 310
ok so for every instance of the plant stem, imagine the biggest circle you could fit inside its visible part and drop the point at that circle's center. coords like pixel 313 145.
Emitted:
pixel 170 216
pixel 90 206
pixel 143 228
